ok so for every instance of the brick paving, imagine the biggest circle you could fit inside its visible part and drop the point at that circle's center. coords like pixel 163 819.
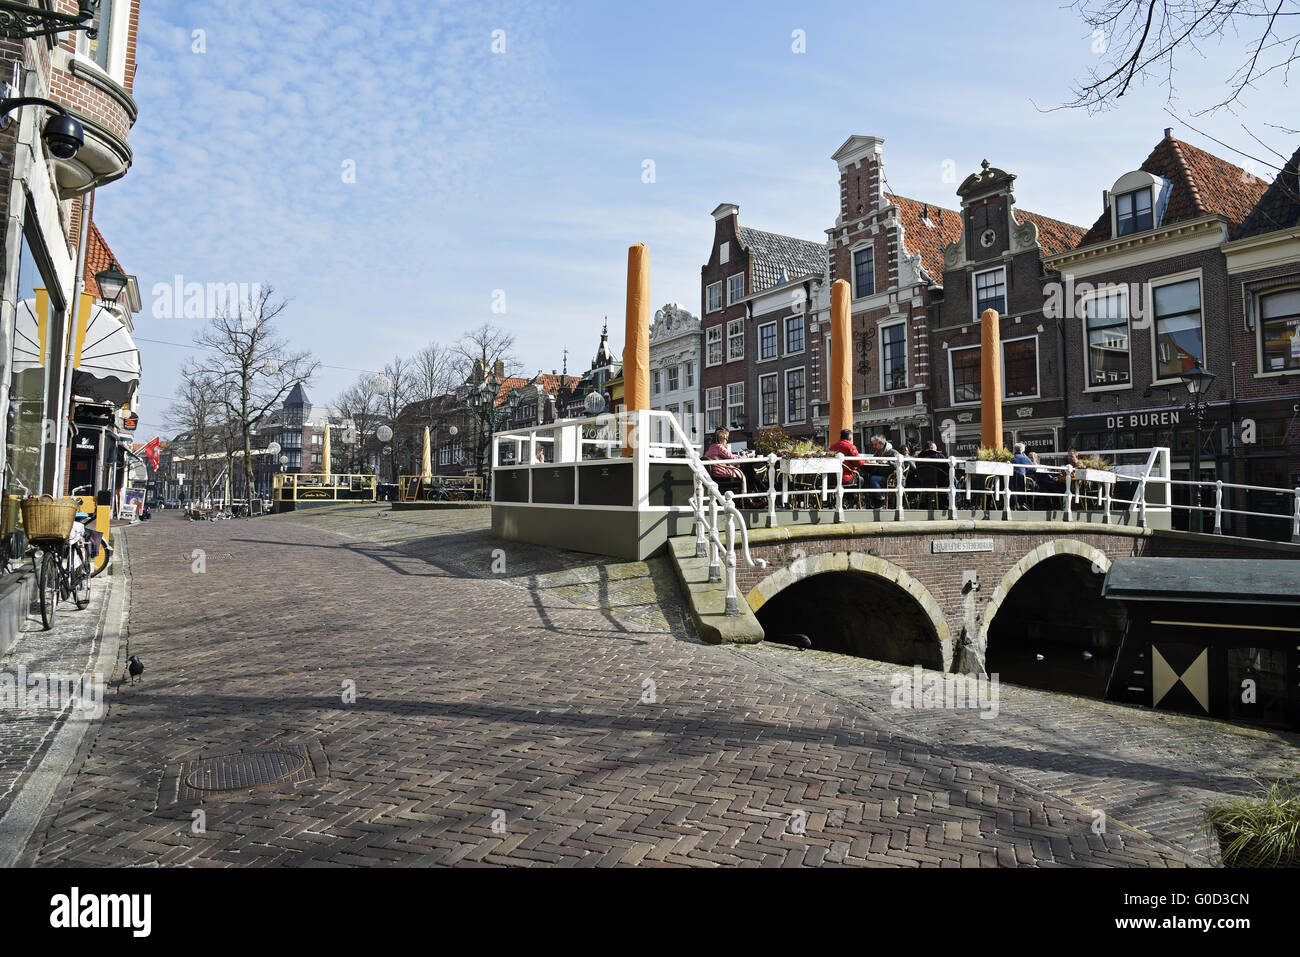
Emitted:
pixel 558 709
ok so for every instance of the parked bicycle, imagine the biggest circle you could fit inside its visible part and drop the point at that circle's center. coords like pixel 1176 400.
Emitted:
pixel 57 530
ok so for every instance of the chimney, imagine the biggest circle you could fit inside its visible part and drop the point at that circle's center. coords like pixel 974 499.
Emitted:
pixel 1169 132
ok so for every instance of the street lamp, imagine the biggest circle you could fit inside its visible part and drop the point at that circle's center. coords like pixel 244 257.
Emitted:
pixel 1198 381
pixel 111 282
pixel 22 21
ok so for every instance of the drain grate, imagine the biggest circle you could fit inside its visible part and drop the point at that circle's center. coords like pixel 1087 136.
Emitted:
pixel 245 771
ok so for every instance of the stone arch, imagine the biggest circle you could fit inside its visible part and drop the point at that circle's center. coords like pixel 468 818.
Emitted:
pixel 1059 546
pixel 808 566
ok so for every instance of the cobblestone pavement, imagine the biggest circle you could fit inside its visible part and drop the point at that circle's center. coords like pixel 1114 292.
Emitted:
pixel 558 708
pixel 70 648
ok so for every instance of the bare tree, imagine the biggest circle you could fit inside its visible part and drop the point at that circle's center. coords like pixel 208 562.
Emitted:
pixel 194 415
pixel 361 404
pixel 486 344
pixel 250 367
pixel 1145 40
pixel 401 381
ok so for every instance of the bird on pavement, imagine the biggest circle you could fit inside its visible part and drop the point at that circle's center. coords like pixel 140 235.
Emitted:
pixel 135 667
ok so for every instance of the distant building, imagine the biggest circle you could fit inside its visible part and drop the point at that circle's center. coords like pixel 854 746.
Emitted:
pixel 675 349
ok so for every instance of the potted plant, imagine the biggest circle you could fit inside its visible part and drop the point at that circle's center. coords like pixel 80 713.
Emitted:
pixel 773 439
pixel 1094 469
pixel 1259 830
pixel 991 462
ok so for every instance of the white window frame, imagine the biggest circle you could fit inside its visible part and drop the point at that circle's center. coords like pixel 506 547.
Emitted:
pixel 732 300
pixel 713 335
pixel 776 341
pixel 710 395
pixel 880 329
pixel 689 374
pixel 785 335
pixel 803 371
pixel 952 384
pixel 732 419
pixel 735 332
pixel 708 297
pixel 1151 199
pixel 1151 286
pixel 656 382
pixel 1255 305
pixel 672 379
pixel 1084 300
pixel 853 269
pixel 724 253
pixel 1038 372
pixel 974 291
pixel 763 422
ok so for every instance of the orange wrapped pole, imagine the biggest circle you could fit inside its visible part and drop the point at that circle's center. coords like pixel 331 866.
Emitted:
pixel 636 340
pixel 839 380
pixel 990 380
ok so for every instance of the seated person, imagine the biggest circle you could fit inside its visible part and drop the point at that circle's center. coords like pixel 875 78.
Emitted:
pixel 1019 459
pixel 846 447
pixel 718 451
pixel 878 475
pixel 1054 482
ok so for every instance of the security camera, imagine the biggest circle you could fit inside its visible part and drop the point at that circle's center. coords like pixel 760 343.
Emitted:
pixel 64 136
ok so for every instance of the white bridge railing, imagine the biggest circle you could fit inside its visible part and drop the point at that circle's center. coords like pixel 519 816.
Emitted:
pixel 1137 483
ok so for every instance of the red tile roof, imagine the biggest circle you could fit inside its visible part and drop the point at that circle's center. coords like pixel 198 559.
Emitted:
pixel 1202 184
pixel 1054 236
pixel 927 239
pixel 98 257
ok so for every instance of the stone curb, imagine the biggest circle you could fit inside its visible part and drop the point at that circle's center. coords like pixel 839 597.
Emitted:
pixel 708 600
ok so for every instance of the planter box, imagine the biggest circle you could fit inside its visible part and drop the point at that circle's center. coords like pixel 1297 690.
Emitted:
pixel 977 467
pixel 810 466
pixel 1099 476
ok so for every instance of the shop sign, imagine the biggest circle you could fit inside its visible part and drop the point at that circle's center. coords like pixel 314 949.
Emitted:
pixel 1142 420
pixel 1039 441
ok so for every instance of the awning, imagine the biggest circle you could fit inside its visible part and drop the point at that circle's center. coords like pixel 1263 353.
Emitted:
pixel 107 362
pixel 1256 581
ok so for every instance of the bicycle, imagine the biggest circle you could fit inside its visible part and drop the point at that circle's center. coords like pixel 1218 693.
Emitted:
pixel 63 570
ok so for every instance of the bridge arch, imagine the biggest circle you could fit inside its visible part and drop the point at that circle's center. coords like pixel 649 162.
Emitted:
pixel 1035 625
pixel 936 651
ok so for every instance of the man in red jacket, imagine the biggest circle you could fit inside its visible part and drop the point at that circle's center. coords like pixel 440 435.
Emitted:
pixel 846 446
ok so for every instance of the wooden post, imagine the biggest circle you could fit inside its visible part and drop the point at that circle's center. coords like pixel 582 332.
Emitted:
pixel 839 378
pixel 990 380
pixel 636 342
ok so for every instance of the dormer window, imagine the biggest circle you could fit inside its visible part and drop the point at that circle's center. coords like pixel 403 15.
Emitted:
pixel 1133 212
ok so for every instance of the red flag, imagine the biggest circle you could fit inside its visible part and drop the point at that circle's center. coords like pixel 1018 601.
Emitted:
pixel 151 452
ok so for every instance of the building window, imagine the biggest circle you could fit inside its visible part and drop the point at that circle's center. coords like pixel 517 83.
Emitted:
pixel 1179 344
pixel 965 365
pixel 767 341
pixel 713 408
pixel 767 399
pixel 713 337
pixel 673 378
pixel 736 404
pixel 655 382
pixel 316 458
pixel 1106 324
pixel 864 272
pixel 97 48
pixel 1279 329
pixel 735 340
pixel 1133 212
pixel 893 356
pixel 1020 368
pixel 793 335
pixel 991 291
pixel 735 288
pixel 724 252
pixel 713 297
pixel 316 438
pixel 796 398
pixel 690 375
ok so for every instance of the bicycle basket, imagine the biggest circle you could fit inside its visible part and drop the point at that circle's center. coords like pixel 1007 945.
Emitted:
pixel 48 519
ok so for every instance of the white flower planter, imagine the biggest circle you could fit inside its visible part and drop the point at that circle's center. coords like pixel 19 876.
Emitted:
pixel 1099 476
pixel 810 466
pixel 978 467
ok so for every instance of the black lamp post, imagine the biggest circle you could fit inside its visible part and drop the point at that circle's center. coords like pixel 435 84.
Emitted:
pixel 483 401
pixel 112 281
pixel 1198 381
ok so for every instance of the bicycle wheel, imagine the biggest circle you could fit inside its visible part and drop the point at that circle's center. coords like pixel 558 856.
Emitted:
pixel 47 587
pixel 101 564
pixel 80 571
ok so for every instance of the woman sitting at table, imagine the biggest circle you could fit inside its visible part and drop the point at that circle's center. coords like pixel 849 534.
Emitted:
pixel 718 451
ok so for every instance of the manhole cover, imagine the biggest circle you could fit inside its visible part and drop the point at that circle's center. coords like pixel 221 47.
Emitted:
pixel 244 771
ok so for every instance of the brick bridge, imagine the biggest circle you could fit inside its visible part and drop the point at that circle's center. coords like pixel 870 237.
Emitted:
pixel 907 585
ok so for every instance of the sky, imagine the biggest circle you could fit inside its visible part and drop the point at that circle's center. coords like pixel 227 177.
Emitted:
pixel 403 171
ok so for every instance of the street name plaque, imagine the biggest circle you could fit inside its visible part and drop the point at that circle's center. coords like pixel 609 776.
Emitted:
pixel 961 545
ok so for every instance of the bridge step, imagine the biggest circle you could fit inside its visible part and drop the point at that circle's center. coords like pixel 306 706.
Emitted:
pixel 708 600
